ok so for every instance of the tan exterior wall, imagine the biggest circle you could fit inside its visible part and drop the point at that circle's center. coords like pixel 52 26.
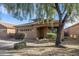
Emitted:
pixel 11 31
pixel 28 31
pixel 3 34
pixel 4 31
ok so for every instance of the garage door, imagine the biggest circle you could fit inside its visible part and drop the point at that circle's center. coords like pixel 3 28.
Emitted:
pixel 3 34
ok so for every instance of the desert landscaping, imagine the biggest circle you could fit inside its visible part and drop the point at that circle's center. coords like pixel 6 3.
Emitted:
pixel 39 48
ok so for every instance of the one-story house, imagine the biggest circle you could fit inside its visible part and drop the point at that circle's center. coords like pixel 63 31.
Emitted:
pixel 38 29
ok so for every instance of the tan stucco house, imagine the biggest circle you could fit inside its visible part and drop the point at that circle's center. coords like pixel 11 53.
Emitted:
pixel 5 29
pixel 38 29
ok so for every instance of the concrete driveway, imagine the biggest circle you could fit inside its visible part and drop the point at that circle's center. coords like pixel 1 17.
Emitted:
pixel 4 44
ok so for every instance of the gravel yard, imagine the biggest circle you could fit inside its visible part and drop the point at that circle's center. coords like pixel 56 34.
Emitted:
pixel 43 51
pixel 38 49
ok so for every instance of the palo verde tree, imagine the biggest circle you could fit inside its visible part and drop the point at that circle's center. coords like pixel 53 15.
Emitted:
pixel 45 10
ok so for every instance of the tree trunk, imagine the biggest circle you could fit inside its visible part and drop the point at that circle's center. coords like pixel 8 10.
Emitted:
pixel 59 36
pixel 61 25
pixel 59 31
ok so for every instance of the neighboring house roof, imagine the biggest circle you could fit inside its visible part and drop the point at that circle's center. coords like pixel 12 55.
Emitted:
pixel 7 25
pixel 71 26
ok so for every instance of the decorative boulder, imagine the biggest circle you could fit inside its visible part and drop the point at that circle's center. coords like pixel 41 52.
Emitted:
pixel 20 45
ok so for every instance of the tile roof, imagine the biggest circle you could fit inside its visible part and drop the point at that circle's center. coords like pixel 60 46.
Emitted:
pixel 7 25
pixel 33 23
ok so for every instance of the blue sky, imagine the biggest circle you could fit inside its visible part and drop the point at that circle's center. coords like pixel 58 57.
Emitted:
pixel 5 17
pixel 10 19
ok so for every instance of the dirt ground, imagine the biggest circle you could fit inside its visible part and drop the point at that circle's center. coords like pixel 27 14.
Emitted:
pixel 45 51
pixel 44 48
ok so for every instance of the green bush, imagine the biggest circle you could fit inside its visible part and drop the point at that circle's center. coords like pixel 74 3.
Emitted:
pixel 51 35
pixel 19 36
pixel 20 45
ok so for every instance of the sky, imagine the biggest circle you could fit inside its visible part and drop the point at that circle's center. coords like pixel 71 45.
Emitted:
pixel 5 17
pixel 9 19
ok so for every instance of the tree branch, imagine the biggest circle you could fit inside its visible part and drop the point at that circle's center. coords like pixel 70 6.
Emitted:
pixel 64 20
pixel 63 12
pixel 58 10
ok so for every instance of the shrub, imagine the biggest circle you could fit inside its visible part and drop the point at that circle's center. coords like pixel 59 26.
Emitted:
pixel 19 36
pixel 51 35
pixel 20 45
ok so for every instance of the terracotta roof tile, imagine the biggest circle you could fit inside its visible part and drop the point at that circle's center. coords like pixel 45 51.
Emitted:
pixel 7 25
